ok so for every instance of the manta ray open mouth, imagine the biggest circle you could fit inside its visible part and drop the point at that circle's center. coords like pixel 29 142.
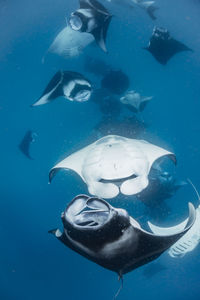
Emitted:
pixel 88 212
pixel 118 181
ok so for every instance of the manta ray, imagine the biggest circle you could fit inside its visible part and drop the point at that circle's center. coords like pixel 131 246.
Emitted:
pixel 92 17
pixel 26 142
pixel 135 101
pixel 68 84
pixel 114 164
pixel 110 237
pixel 163 47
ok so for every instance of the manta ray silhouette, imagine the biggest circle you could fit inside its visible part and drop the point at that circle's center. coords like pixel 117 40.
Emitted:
pixel 116 81
pixel 134 101
pixel 110 237
pixel 27 140
pixel 163 47
pixel 92 17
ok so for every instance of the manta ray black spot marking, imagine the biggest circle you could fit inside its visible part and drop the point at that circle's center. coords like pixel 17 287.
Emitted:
pixel 163 47
pixel 110 237
pixel 92 17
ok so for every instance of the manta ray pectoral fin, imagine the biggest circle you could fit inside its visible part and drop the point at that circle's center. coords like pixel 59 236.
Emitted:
pixel 43 100
pixel 179 229
pixel 100 33
pixel 53 172
pixel 73 162
pixel 154 152
pixel 167 230
pixel 166 241
pixel 52 90
pixel 147 99
pixel 192 217
pixel 189 241
pixel 179 46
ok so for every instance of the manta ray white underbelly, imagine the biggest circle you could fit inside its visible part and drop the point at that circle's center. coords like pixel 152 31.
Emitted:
pixel 114 164
pixel 69 43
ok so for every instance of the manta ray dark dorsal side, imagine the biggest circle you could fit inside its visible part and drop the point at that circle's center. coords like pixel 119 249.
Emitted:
pixel 100 34
pixel 163 47
pixel 53 89
pixel 93 18
pixel 111 238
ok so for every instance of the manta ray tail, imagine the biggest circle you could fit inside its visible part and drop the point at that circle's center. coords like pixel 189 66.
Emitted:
pixel 120 288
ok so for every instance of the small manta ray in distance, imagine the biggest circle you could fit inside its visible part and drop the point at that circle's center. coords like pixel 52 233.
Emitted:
pixel 135 101
pixel 27 140
pixel 92 17
pixel 163 47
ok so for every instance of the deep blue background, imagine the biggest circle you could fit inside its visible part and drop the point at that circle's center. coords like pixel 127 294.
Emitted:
pixel 33 265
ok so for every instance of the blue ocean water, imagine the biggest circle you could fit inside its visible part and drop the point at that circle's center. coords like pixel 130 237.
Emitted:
pixel 33 265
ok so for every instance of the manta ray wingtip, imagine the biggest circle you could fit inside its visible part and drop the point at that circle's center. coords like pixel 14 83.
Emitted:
pixel 192 215
pixel 52 173
pixel 35 104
